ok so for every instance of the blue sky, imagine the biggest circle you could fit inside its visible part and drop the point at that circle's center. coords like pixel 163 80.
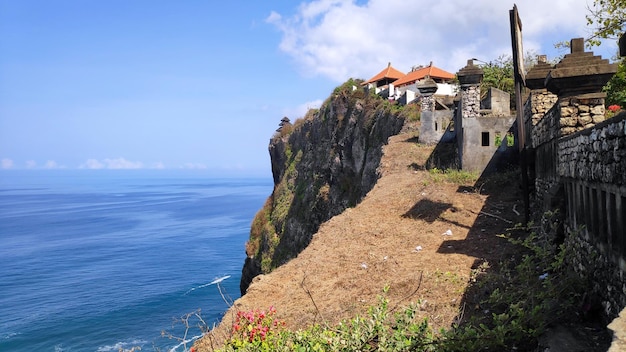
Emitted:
pixel 203 84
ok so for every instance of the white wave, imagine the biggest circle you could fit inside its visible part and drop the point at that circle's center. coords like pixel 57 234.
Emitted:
pixel 121 346
pixel 184 343
pixel 10 335
pixel 214 282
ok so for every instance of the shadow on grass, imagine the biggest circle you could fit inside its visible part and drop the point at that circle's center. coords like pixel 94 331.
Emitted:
pixel 495 256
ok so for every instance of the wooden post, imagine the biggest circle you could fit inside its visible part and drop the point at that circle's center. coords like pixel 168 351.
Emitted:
pixel 518 70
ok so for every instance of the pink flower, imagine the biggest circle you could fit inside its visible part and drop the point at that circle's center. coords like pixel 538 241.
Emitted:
pixel 615 107
pixel 250 317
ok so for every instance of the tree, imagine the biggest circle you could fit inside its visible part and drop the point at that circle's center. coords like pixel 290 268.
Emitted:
pixel 499 74
pixel 607 17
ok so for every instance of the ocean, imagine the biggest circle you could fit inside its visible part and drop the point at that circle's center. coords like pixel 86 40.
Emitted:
pixel 98 260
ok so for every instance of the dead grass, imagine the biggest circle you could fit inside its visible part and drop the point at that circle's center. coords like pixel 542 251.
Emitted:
pixel 394 237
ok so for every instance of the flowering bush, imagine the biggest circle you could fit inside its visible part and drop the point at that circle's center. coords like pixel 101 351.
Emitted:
pixel 612 110
pixel 256 328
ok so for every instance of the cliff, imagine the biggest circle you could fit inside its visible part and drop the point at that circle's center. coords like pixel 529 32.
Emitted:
pixel 430 240
pixel 321 165
pixel 395 237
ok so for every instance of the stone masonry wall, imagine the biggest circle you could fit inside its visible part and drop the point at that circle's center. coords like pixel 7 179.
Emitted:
pixel 580 168
pixel 591 165
pixel 471 101
pixel 597 154
pixel 567 116
pixel 541 101
pixel 547 128
pixel 605 277
pixel 580 112
pixel 428 103
pixel 545 170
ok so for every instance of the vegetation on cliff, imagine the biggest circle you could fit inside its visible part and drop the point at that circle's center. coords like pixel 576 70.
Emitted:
pixel 508 306
pixel 321 165
pixel 467 289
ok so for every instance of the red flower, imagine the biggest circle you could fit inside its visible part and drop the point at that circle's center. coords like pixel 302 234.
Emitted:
pixel 615 107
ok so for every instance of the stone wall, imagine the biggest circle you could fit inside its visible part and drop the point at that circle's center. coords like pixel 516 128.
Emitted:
pixel 545 171
pixel 470 77
pixel 597 154
pixel 586 171
pixel 434 125
pixel 481 153
pixel 580 169
pixel 591 261
pixel 541 100
pixel 580 112
pixel 545 133
pixel 428 103
pixel 546 129
pixel 470 96
pixel 497 102
pixel 567 116
pixel 481 133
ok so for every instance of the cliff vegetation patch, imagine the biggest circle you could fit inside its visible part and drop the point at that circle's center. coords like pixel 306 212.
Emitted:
pixel 322 164
pixel 424 262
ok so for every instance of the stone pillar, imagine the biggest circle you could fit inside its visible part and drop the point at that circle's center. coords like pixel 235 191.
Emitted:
pixel 429 131
pixel 470 78
pixel 541 100
pixel 427 88
pixel 578 80
pixel 428 104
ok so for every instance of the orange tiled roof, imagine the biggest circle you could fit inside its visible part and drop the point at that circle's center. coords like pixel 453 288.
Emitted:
pixel 432 71
pixel 388 72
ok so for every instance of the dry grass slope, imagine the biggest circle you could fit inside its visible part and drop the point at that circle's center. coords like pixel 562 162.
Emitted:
pixel 357 253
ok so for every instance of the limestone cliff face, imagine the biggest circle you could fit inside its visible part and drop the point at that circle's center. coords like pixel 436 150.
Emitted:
pixel 323 164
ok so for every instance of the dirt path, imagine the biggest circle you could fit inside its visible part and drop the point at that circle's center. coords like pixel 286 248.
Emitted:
pixel 398 236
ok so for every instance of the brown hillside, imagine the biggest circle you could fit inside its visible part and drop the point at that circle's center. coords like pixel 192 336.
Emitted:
pixel 357 253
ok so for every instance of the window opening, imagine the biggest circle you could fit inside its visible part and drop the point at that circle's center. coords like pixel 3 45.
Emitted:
pixel 485 139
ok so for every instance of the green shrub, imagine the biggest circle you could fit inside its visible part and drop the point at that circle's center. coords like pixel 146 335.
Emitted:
pixel 460 177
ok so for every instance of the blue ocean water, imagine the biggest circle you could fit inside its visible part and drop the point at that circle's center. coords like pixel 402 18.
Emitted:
pixel 94 260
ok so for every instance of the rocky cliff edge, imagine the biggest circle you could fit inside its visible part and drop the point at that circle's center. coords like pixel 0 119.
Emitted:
pixel 321 165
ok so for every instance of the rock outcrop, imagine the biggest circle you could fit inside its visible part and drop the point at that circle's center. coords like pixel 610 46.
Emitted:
pixel 322 164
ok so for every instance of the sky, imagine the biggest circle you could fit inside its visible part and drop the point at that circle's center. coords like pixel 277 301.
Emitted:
pixel 202 85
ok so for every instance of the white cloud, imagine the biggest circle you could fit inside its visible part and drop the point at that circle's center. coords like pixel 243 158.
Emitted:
pixel 31 164
pixel 341 38
pixel 198 166
pixel 274 17
pixel 117 164
pixel 92 164
pixel 51 164
pixel 6 163
pixel 121 163
pixel 158 165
